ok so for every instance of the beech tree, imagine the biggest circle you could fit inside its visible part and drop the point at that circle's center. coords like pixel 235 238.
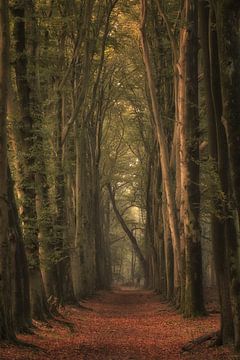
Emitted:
pixel 6 317
pixel 27 164
pixel 218 154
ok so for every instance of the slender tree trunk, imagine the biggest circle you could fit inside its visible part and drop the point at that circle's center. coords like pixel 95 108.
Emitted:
pixel 106 234
pixel 159 245
pixel 152 223
pixel 169 260
pixel 180 101
pixel 99 239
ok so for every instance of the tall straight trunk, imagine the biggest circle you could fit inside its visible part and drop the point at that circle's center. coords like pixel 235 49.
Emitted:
pixel 228 22
pixel 180 97
pixel 151 257
pixel 94 137
pixel 6 318
pixel 99 236
pixel 83 261
pixel 70 217
pixel 28 165
pixel 77 261
pixel 169 260
pixel 159 244
pixel 153 167
pixel 213 95
pixel 44 216
pixel 194 304
pixel 106 235
pixel 179 78
pixel 163 156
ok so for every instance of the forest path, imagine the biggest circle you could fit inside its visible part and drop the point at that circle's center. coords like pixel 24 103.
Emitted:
pixel 122 324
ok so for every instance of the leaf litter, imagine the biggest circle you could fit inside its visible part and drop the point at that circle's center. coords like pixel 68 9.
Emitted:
pixel 119 325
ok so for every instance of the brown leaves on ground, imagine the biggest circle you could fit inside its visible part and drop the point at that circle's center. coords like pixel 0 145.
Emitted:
pixel 127 324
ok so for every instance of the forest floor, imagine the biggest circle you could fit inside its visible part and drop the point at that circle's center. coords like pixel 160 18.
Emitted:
pixel 122 324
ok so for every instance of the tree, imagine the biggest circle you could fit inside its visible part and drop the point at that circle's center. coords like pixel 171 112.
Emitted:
pixel 189 139
pixel 28 164
pixel 163 150
pixel 218 153
pixel 6 317
pixel 227 22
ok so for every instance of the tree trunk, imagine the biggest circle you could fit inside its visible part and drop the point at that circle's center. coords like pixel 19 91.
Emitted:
pixel 169 260
pixel 62 270
pixel 6 318
pixel 28 165
pixel 216 140
pixel 164 156
pixel 22 306
pixel 228 21
pixel 84 233
pixel 106 234
pixel 194 304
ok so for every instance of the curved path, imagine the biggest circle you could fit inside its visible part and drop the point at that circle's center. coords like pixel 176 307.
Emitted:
pixel 122 324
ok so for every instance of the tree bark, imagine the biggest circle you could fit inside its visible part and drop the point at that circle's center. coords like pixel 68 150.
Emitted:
pixel 228 21
pixel 164 156
pixel 194 304
pixel 216 140
pixel 22 306
pixel 28 165
pixel 6 317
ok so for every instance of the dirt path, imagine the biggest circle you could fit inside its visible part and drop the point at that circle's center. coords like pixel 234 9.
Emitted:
pixel 125 324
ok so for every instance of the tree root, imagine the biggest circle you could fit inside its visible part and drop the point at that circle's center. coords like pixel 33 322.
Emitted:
pixel 67 324
pixel 54 305
pixel 26 330
pixel 22 344
pixel 83 307
pixel 213 338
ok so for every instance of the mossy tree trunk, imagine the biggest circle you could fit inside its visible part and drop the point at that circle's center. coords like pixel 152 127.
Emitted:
pixel 21 293
pixel 28 164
